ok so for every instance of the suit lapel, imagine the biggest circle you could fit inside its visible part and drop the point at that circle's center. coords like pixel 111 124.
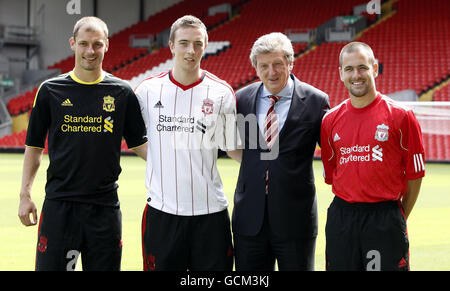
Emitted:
pixel 261 138
pixel 250 105
pixel 295 110
pixel 254 95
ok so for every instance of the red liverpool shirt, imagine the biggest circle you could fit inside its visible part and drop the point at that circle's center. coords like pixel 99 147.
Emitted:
pixel 369 153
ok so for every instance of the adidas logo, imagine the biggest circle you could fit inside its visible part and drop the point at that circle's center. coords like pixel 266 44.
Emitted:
pixel 158 105
pixel 402 263
pixel 336 137
pixel 67 103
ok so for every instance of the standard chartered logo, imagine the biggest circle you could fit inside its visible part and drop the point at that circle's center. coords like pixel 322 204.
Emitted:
pixel 175 123
pixel 108 126
pixel 377 153
pixel 86 124
pixel 359 153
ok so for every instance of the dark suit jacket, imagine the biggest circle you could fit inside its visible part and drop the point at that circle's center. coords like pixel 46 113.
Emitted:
pixel 292 204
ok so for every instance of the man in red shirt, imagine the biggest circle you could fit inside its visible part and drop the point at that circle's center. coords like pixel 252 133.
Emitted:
pixel 373 157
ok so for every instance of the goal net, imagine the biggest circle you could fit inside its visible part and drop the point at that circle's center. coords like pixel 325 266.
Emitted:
pixel 434 117
pixel 434 120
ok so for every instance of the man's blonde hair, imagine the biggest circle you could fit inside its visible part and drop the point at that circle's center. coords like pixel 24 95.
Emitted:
pixel 187 21
pixel 94 23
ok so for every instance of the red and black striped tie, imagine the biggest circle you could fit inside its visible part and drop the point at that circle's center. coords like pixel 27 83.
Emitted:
pixel 271 123
pixel 271 130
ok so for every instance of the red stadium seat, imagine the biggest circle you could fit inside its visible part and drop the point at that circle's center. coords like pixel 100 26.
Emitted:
pixel 120 54
pixel 412 45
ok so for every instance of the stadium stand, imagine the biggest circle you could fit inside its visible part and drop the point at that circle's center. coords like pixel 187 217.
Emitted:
pixel 411 44
pixel 291 14
pixel 126 62
pixel 276 16
pixel 130 63
pixel 320 68
pixel 442 94
pixel 13 140
pixel 403 44
pixel 120 53
pixel 413 47
pixel 22 103
pixel 161 61
pixel 436 147
pixel 399 44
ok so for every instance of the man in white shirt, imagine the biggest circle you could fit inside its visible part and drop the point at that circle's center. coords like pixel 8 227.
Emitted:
pixel 189 114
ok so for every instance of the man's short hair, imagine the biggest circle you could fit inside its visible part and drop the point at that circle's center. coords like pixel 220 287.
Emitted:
pixel 357 46
pixel 269 43
pixel 187 21
pixel 94 23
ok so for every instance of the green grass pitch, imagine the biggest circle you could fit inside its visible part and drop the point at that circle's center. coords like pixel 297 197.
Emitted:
pixel 428 225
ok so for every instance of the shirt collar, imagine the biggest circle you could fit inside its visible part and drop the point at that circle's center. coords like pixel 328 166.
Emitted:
pixel 287 91
pixel 76 79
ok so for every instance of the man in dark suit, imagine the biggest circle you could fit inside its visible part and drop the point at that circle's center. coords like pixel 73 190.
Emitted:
pixel 275 206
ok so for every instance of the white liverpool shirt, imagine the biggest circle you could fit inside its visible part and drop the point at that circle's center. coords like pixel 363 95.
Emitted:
pixel 185 127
